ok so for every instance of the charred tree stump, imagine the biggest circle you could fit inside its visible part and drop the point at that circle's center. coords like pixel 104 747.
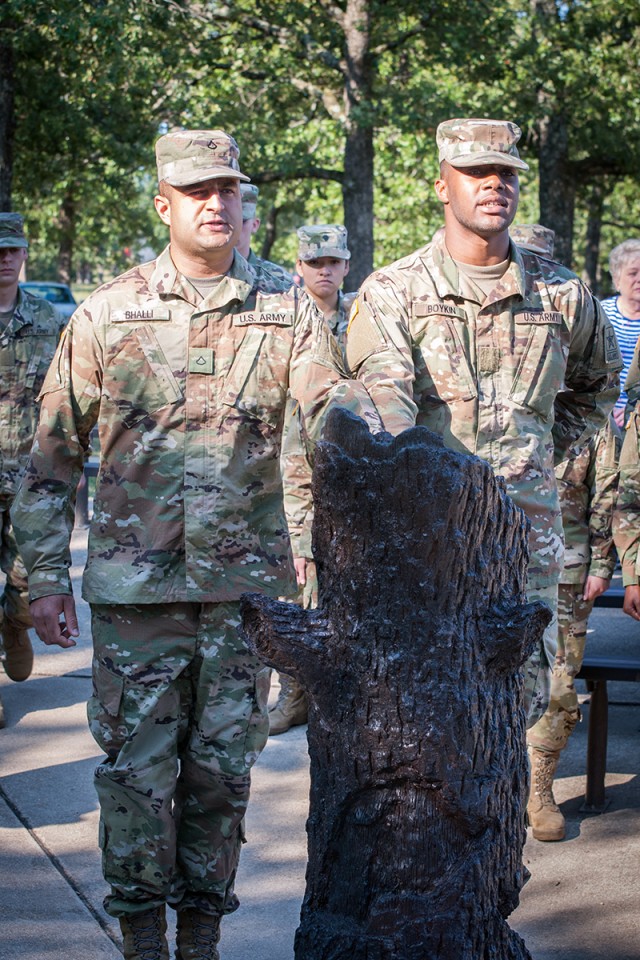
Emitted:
pixel 416 726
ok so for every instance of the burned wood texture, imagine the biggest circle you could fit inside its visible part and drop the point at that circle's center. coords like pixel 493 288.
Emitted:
pixel 416 726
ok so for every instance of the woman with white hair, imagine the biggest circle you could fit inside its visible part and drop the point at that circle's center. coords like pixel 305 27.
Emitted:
pixel 624 309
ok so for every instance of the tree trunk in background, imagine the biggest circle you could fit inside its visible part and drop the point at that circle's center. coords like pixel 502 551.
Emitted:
pixel 357 186
pixel 7 118
pixel 417 728
pixel 595 206
pixel 67 227
pixel 557 189
pixel 270 232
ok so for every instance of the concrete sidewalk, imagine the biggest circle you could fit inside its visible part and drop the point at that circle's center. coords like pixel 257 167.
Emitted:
pixel 582 902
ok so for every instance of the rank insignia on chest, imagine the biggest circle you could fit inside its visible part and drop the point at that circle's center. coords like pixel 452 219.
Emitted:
pixel 201 360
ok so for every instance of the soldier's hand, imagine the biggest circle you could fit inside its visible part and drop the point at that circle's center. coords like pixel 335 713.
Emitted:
pixel 595 587
pixel 300 564
pixel 55 619
pixel 631 603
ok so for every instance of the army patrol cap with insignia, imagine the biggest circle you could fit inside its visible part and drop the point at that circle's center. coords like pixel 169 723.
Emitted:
pixel 476 142
pixel 191 156
pixel 249 193
pixel 12 230
pixel 323 240
pixel 534 237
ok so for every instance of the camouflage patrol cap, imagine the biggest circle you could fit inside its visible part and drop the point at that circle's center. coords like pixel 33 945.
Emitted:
pixel 249 193
pixel 323 240
pixel 471 143
pixel 12 230
pixel 191 156
pixel 534 237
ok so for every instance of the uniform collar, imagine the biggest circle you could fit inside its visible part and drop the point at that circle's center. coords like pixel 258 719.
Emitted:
pixel 237 284
pixel 446 276
pixel 21 313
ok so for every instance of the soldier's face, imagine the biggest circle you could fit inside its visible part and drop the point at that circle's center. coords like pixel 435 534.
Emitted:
pixel 202 217
pixel 323 276
pixel 482 199
pixel 11 260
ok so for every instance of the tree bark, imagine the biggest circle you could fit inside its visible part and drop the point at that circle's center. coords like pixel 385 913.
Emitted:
pixel 7 115
pixel 595 206
pixel 270 232
pixel 357 185
pixel 67 228
pixel 412 662
pixel 557 188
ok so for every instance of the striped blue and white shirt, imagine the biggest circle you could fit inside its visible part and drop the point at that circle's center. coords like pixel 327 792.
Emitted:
pixel 627 332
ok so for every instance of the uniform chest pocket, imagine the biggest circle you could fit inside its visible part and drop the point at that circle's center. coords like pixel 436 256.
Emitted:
pixel 540 373
pixel 29 360
pixel 137 377
pixel 442 370
pixel 257 381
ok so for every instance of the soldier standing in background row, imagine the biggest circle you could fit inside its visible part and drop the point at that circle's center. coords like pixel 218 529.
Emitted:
pixel 504 354
pixel 323 263
pixel 29 332
pixel 626 521
pixel 270 275
pixel 184 363
pixel 587 487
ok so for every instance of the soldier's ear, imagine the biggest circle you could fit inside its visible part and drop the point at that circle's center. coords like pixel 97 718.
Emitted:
pixel 442 193
pixel 163 208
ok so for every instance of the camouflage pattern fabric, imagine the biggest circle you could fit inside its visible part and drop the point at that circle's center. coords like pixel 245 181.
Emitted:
pixel 626 520
pixel 27 346
pixel 537 672
pixel 588 490
pixel 553 730
pixel 317 240
pixel 271 277
pixel 174 684
pixel 588 485
pixel 530 369
pixel 295 462
pixel 189 397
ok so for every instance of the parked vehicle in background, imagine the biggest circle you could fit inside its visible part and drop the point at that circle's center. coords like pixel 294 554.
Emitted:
pixel 59 294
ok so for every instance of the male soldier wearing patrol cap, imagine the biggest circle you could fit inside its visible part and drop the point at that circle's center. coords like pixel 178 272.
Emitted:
pixel 504 354
pixel 271 275
pixel 184 363
pixel 29 331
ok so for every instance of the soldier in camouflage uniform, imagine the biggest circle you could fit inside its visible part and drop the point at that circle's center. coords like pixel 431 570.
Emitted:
pixel 587 486
pixel 504 354
pixel 29 331
pixel 323 263
pixel 534 237
pixel 184 364
pixel 270 275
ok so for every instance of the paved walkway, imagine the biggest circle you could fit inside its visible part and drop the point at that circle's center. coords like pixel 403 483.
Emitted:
pixel 582 902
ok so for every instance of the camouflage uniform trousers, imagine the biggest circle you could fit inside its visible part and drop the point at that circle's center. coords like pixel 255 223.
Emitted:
pixel 180 710
pixel 552 732
pixel 14 603
pixel 538 667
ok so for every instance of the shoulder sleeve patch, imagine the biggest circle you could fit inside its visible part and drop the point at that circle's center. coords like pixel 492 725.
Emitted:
pixel 364 336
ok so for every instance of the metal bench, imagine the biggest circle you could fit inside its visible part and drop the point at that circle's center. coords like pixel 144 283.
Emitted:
pixel 597 671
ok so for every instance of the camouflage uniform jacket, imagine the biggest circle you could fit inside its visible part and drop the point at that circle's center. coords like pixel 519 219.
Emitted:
pixel 296 467
pixel 626 519
pixel 270 276
pixel 27 346
pixel 588 486
pixel 189 397
pixel 532 366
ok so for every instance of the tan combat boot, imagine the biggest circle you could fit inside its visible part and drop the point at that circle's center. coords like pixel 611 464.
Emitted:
pixel 18 662
pixel 545 819
pixel 144 935
pixel 290 709
pixel 197 936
